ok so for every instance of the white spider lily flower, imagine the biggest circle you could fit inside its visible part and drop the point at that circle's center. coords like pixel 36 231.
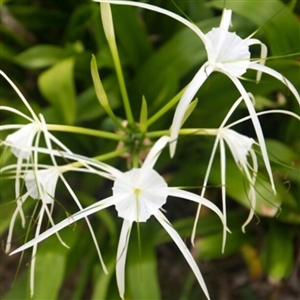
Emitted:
pixel 41 185
pixel 22 139
pixel 137 195
pixel 45 188
pixel 227 53
pixel 24 144
pixel 240 147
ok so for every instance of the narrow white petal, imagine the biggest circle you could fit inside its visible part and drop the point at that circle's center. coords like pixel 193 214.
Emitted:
pixel 263 54
pixel 183 248
pixel 211 159
pixel 121 256
pixel 256 125
pixel 20 95
pixel 73 195
pixel 272 111
pixel 184 102
pixel 34 250
pixel 70 220
pixel 161 11
pixel 155 152
pixel 251 193
pixel 17 112
pixel 232 109
pixel 198 199
pixel 226 19
pixel 278 76
pixel 20 202
pixel 223 189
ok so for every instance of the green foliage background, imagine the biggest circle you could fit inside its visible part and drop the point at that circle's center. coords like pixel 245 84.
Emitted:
pixel 46 50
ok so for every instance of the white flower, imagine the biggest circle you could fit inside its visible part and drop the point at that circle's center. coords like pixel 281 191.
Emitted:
pixel 150 192
pixel 21 140
pixel 26 137
pixel 41 185
pixel 137 195
pixel 239 145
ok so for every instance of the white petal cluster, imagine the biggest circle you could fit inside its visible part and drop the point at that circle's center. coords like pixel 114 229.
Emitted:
pixel 142 191
pixel 42 184
pixel 232 56
pixel 240 145
pixel 21 141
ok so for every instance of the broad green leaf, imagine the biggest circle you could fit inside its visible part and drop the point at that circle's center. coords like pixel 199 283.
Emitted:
pixel 209 247
pixel 278 254
pixel 173 60
pixel 102 280
pixel 39 56
pixel 267 204
pixel 287 161
pixel 19 290
pixel 131 34
pixel 34 17
pixel 141 268
pixel 57 86
pixel 79 20
pixel 49 275
pixel 51 262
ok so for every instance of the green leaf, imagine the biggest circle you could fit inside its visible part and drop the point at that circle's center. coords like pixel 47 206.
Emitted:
pixel 277 256
pixel 57 86
pixel 102 280
pixel 39 56
pixel 100 92
pixel 49 272
pixel 131 34
pixel 209 247
pixel 141 268
pixel 173 60
pixel 267 204
pixel 144 115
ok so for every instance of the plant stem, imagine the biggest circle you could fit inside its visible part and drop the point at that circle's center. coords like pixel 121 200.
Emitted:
pixel 86 131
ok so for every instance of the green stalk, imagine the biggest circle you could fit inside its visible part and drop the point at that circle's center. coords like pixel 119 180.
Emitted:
pixel 185 131
pixel 86 131
pixel 108 27
pixel 117 63
pixel 166 108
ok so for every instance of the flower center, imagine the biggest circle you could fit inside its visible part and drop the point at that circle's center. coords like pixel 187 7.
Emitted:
pixel 138 193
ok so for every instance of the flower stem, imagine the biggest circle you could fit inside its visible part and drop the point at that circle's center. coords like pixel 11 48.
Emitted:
pixel 86 131
pixel 185 131
pixel 117 63
pixel 166 108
